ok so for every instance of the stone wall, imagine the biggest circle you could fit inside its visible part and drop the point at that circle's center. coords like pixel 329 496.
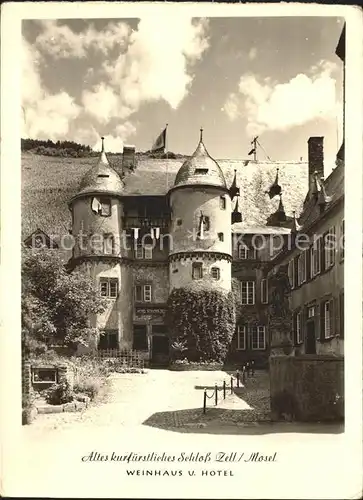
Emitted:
pixel 307 388
pixel 25 379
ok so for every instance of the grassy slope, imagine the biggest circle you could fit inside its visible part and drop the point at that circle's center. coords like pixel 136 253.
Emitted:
pixel 49 182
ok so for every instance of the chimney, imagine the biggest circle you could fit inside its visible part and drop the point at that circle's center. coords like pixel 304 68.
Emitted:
pixel 315 159
pixel 128 158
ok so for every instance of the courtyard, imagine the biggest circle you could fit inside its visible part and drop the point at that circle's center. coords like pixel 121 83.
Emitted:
pixel 160 412
pixel 173 401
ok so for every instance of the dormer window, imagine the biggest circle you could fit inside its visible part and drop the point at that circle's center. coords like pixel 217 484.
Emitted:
pixel 201 171
pixel 101 205
pixel 103 175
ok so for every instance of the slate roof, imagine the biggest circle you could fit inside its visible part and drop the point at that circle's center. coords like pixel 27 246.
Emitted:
pixel 200 168
pixel 48 183
pixel 334 187
pixel 101 178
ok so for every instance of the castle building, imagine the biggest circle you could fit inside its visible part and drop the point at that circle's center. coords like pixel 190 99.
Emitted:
pixel 138 248
pixel 144 226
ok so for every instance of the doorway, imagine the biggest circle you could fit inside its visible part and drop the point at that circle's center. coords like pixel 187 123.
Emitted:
pixel 310 346
pixel 159 346
pixel 140 342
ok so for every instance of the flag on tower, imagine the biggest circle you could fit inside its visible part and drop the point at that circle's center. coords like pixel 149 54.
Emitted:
pixel 159 144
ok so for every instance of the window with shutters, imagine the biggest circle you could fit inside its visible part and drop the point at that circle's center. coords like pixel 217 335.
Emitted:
pixel 105 206
pixel 264 291
pixel 143 250
pixel 109 287
pixel 329 248
pixel 299 336
pixel 291 273
pixel 328 319
pixel 247 292
pixel 258 337
pixel 245 252
pixel 148 252
pixel 241 337
pixel 301 268
pixel 315 257
pixel 242 252
pixel 311 312
pixel 143 293
pixel 139 254
pixel 342 240
pixel 197 270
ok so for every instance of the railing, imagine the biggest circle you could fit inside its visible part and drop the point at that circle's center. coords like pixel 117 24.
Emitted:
pixel 128 357
pixel 247 370
pixel 145 222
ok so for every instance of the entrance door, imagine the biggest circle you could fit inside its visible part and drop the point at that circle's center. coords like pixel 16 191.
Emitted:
pixel 140 338
pixel 310 346
pixel 160 349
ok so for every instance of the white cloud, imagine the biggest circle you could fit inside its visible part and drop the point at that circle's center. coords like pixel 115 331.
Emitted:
pixel 125 130
pixel 113 142
pixel 60 41
pixel 252 53
pixel 101 103
pixel 156 65
pixel 231 107
pixel 273 106
pixel 45 115
pixel 154 62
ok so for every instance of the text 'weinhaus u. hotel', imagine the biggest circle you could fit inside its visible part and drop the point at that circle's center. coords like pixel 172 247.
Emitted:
pixel 215 213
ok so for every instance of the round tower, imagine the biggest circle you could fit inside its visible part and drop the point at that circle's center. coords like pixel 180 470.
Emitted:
pixel 201 242
pixel 97 214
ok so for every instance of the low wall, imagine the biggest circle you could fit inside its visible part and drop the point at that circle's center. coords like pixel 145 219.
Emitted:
pixel 63 373
pixel 307 388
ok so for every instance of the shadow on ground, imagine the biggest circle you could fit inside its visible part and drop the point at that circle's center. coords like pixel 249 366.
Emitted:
pixel 225 421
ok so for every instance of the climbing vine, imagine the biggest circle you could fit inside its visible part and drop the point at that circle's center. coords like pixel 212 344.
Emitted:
pixel 201 319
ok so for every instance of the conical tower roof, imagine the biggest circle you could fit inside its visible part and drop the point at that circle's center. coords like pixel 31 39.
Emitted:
pixel 101 179
pixel 200 169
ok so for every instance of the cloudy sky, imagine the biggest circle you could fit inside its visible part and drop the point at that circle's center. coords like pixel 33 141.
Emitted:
pixel 126 78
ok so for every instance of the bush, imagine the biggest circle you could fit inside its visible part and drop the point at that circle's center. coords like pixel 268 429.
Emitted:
pixel 88 386
pixel 201 319
pixel 59 394
pixel 185 365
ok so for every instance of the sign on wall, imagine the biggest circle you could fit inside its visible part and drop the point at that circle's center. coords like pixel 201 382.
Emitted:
pixel 152 311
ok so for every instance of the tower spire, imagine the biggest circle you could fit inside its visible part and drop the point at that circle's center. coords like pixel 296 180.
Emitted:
pixel 201 134
pixel 103 158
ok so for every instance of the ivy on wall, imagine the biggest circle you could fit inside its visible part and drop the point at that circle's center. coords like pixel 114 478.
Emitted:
pixel 201 318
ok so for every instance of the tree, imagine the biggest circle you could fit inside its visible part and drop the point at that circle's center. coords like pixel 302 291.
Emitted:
pixel 201 319
pixel 56 304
